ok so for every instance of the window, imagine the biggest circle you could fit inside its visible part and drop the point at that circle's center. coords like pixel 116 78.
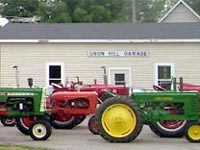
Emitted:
pixel 120 79
pixel 55 73
pixel 119 76
pixel 164 74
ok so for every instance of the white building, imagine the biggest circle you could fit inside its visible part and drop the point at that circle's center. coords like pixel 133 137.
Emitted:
pixel 138 55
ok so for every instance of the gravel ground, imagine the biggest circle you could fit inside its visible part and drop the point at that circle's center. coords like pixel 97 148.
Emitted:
pixel 80 138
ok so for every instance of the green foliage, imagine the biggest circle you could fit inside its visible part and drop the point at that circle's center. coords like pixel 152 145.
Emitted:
pixel 53 11
pixel 96 10
pixel 81 15
pixel 195 4
pixel 63 11
pixel 149 10
pixel 101 14
pixel 66 10
pixel 20 8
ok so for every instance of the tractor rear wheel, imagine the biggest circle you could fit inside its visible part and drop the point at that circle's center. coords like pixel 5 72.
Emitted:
pixel 119 120
pixel 92 125
pixel 67 121
pixel 192 132
pixel 169 128
pixel 8 122
pixel 40 130
pixel 24 123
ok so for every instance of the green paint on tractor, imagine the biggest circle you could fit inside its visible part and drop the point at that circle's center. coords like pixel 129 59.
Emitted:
pixel 158 106
pixel 19 102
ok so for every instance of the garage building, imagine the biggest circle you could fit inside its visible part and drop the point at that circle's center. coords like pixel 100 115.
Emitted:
pixel 134 54
pixel 137 55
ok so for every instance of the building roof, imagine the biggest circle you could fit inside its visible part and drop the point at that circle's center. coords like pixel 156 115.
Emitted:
pixel 22 32
pixel 180 2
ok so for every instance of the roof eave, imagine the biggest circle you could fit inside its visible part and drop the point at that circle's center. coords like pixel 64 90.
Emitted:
pixel 99 40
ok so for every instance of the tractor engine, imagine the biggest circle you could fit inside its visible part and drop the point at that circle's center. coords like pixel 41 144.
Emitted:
pixel 71 102
pixel 20 103
pixel 15 102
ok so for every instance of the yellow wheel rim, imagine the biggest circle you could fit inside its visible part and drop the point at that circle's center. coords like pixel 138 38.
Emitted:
pixel 194 132
pixel 119 120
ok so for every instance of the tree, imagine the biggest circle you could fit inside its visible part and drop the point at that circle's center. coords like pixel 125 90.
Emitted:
pixel 119 9
pixel 149 10
pixel 96 10
pixel 20 8
pixel 62 11
pixel 53 11
pixel 195 4
pixel 101 14
pixel 81 15
pixel 80 10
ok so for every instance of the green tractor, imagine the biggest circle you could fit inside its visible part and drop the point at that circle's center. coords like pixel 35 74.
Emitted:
pixel 27 102
pixel 120 119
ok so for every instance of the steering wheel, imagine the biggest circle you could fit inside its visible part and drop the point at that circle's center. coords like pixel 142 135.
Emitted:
pixel 158 88
pixel 56 86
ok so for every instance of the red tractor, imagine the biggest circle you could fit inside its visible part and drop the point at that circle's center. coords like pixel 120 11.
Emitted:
pixel 70 105
pixel 68 109
pixel 191 87
pixel 64 118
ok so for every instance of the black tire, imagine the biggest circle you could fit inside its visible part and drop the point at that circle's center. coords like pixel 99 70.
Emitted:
pixel 69 124
pixel 80 119
pixel 8 122
pixel 192 132
pixel 177 129
pixel 119 120
pixel 92 125
pixel 22 127
pixel 40 130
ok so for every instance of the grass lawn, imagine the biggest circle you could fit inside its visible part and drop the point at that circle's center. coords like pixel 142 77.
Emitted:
pixel 14 147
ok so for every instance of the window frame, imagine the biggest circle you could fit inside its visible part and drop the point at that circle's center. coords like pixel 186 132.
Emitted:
pixel 172 70
pixel 61 64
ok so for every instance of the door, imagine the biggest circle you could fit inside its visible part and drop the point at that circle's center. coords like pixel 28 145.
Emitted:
pixel 54 73
pixel 119 76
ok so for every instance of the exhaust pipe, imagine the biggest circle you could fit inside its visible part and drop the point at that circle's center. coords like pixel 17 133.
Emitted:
pixel 30 82
pixel 105 76
pixel 16 75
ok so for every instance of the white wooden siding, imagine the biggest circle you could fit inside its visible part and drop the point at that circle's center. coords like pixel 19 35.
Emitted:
pixel 31 58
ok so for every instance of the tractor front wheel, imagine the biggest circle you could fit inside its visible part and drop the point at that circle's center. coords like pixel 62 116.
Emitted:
pixel 40 130
pixel 192 132
pixel 24 123
pixel 119 120
pixel 92 125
